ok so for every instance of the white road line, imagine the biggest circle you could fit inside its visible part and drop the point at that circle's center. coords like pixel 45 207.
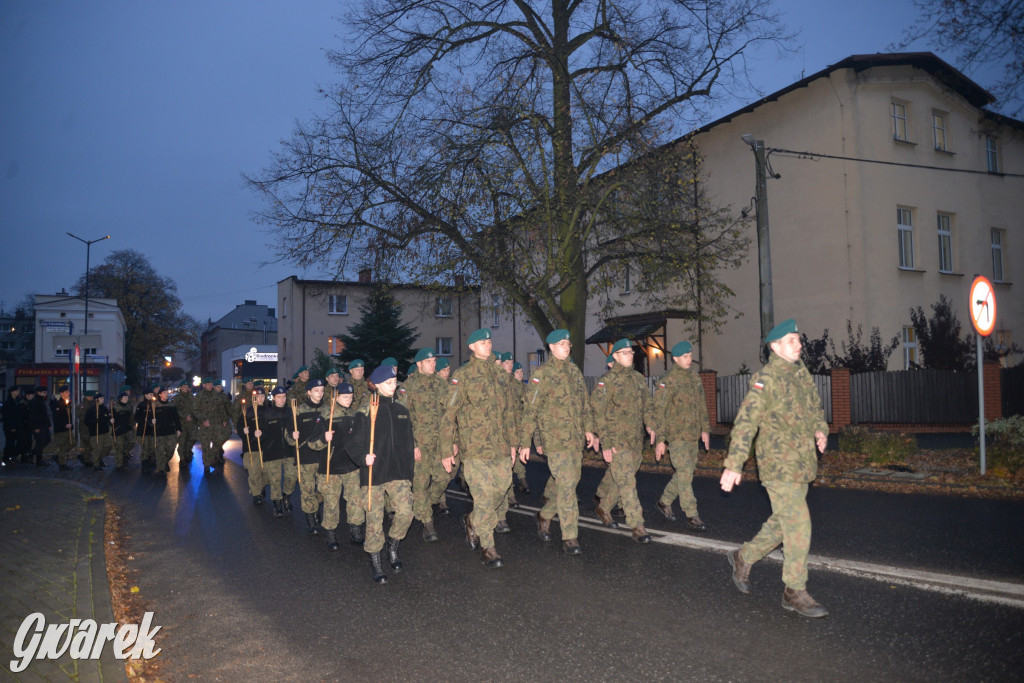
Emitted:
pixel 999 592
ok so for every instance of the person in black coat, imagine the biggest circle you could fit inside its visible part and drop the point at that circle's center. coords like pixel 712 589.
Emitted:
pixel 63 431
pixel 12 425
pixel 39 425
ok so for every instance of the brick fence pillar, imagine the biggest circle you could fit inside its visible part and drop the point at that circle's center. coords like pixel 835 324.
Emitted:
pixel 993 391
pixel 709 378
pixel 840 398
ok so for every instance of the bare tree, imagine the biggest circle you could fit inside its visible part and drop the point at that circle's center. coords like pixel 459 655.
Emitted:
pixel 502 140
pixel 979 33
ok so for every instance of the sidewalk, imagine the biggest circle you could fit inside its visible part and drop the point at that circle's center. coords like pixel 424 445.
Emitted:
pixel 52 561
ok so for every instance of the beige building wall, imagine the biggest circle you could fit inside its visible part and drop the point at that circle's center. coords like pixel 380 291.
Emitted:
pixel 305 321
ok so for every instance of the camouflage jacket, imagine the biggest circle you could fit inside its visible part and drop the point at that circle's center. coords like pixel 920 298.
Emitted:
pixel 360 391
pixel 477 413
pixel 424 396
pixel 235 409
pixel 680 410
pixel 515 394
pixel 621 405
pixel 298 391
pixel 185 402
pixel 209 405
pixel 556 407
pixel 783 409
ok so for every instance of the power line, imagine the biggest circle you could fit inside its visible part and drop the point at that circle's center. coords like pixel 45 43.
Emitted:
pixel 816 155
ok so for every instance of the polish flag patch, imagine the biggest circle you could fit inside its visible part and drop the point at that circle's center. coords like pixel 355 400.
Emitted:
pixel 600 384
pixel 759 385
pixel 661 384
pixel 454 381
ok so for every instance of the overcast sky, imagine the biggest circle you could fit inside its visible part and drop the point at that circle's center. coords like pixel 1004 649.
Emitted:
pixel 137 118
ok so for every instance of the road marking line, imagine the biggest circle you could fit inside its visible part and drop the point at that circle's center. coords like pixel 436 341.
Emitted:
pixel 999 592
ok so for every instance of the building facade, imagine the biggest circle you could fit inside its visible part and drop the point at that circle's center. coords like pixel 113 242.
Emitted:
pixel 249 324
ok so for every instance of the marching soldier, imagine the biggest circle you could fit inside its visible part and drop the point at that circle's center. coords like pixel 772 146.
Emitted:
pixel 88 402
pixel 681 418
pixel 97 424
pixel 479 428
pixel 122 413
pixel 245 426
pixel 356 372
pixel 166 428
pixel 518 395
pixel 391 463
pixel 39 425
pixel 344 473
pixel 557 408
pixel 278 460
pixel 621 408
pixel 185 402
pixel 214 425
pixel 144 431
pixel 783 409
pixel 63 429
pixel 424 394
pixel 241 401
pixel 300 382
pixel 309 432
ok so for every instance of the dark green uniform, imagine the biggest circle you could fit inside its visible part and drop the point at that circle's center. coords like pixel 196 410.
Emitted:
pixel 680 417
pixel 185 402
pixel 214 425
pixel 424 396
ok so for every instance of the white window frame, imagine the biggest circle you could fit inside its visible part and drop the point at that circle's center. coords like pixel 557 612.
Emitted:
pixel 443 346
pixel 496 312
pixel 444 307
pixel 332 304
pixel 939 133
pixel 911 356
pixel 905 237
pixel 900 130
pixel 627 281
pixel 992 154
pixel 998 238
pixel 944 222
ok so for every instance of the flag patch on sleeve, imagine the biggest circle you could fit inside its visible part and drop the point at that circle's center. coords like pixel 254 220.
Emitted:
pixel 661 384
pixel 600 384
pixel 454 381
pixel 535 379
pixel 759 385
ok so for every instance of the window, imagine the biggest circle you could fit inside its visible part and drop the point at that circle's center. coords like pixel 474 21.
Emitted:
pixel 939 131
pixel 910 357
pixel 65 353
pixel 905 227
pixel 444 346
pixel 899 121
pixel 335 346
pixel 495 312
pixel 284 307
pixel 992 155
pixel 10 346
pixel 997 255
pixel 337 304
pixel 626 284
pixel 444 307
pixel 945 244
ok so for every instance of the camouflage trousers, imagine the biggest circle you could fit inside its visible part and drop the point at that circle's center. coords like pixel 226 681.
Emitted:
pixel 621 489
pixel 212 440
pixel 341 485
pixel 561 492
pixel 187 440
pixel 429 482
pixel 281 475
pixel 148 451
pixel 489 481
pixel 257 477
pixel 790 524
pixel 163 450
pixel 87 444
pixel 309 497
pixel 399 492
pixel 65 442
pixel 683 455
pixel 123 446
pixel 100 447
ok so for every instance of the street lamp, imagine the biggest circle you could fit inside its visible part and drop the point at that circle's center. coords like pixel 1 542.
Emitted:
pixel 88 245
pixel 764 255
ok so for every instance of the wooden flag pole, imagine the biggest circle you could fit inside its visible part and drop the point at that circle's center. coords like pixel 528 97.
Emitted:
pixel 295 420
pixel 374 404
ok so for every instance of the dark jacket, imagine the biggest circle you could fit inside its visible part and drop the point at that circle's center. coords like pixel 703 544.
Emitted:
pixel 61 415
pixel 341 461
pixel 143 417
pixel 273 423
pixel 393 443
pixel 122 413
pixel 38 414
pixel 167 421
pixel 97 420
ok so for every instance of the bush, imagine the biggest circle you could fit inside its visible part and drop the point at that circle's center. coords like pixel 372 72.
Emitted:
pixel 1004 443
pixel 854 439
pixel 884 448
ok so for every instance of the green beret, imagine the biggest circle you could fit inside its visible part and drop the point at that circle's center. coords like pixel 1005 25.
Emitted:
pixel 480 335
pixel 609 359
pixel 556 336
pixel 506 356
pixel 124 389
pixel 302 369
pixel 442 363
pixel 424 354
pixel 91 393
pixel 184 383
pixel 681 349
pixel 357 363
pixel 390 360
pixel 333 371
pixel 517 366
pixel 246 380
pixel 411 370
pixel 781 330
pixel 207 380
pixel 621 344
pixel 258 383
pixel 496 355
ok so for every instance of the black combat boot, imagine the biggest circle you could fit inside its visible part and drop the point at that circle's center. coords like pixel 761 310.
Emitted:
pixel 257 500
pixel 393 558
pixel 279 508
pixel 356 532
pixel 332 539
pixel 378 571
pixel 311 524
pixel 287 503
pixel 318 514
pixel 429 533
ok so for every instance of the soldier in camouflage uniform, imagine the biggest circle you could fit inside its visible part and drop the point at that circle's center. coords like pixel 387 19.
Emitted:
pixel 97 425
pixel 244 395
pixel 63 433
pixel 278 459
pixel 309 432
pixel 393 461
pixel 424 394
pixel 214 424
pixel 557 409
pixel 252 457
pixel 88 403
pixel 783 410
pixel 124 431
pixel 356 372
pixel 680 418
pixel 622 405
pixel 185 402
pixel 166 427
pixel 340 476
pixel 144 430
pixel 300 382
pixel 519 395
pixel 478 426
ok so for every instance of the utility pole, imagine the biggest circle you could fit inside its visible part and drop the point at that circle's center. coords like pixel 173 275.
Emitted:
pixel 85 360
pixel 764 252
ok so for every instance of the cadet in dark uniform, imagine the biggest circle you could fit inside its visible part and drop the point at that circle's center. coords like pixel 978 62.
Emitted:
pixel 12 427
pixel 278 459
pixel 144 430
pixel 166 426
pixel 97 423
pixel 783 409
pixel 336 477
pixel 311 438
pixel 63 429
pixel 124 432
pixel 39 425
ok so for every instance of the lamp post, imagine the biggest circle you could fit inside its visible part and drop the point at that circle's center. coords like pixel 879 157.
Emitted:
pixel 88 246
pixel 764 254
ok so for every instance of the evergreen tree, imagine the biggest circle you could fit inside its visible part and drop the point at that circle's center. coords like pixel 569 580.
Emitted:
pixel 379 333
pixel 939 338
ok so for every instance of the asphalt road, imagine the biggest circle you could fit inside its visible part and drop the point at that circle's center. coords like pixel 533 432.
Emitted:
pixel 242 595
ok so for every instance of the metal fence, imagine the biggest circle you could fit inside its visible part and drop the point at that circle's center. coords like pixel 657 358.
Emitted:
pixel 914 396
pixel 732 389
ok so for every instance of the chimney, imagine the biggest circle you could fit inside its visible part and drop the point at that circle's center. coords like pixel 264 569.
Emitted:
pixel 364 276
